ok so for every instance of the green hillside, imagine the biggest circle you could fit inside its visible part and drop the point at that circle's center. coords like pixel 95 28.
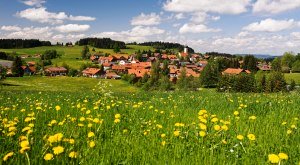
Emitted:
pixel 71 55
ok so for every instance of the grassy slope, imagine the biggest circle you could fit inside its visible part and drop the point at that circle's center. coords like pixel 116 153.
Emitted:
pixel 293 76
pixel 63 84
pixel 69 54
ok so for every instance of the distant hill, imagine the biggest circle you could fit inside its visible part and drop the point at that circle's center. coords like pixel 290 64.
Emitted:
pixel 260 56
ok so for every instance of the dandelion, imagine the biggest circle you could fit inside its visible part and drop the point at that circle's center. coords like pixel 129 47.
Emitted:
pixel 57 108
pixel 117 121
pixel 289 131
pixel 22 150
pixel 117 116
pixel 163 135
pixel 284 123
pixel 224 127
pixel 92 144
pixel 202 126
pixel 214 120
pixel 10 154
pixel 236 113
pixel 176 133
pixel 202 133
pixel 273 158
pixel 217 127
pixel 48 156
pixel 24 144
pixel 163 143
pixel 73 154
pixel 58 150
pixel 251 137
pixel 240 137
pixel 283 156
pixel 91 134
pixel 252 117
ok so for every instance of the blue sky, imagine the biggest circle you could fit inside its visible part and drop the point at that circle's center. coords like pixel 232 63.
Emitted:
pixel 230 26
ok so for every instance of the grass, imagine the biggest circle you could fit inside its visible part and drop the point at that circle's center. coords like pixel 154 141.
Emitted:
pixel 136 127
pixel 293 76
pixel 71 55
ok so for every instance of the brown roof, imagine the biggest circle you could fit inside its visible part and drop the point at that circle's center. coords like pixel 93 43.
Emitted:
pixel 184 54
pixel 235 71
pixel 91 71
pixel 120 56
pixel 139 72
pixel 118 67
pixel 31 63
pixel 107 64
pixel 111 74
pixel 56 69
pixel 172 57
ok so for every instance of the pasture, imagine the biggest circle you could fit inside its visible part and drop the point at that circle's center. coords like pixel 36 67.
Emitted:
pixel 64 120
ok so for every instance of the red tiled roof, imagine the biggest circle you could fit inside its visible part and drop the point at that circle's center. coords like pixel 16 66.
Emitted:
pixel 91 71
pixel 139 72
pixel 107 64
pixel 118 67
pixel 235 71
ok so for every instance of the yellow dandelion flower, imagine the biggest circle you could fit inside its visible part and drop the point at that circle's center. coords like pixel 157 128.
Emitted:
pixel 293 126
pixel 217 127
pixel 283 156
pixel 251 137
pixel 22 150
pixel 90 125
pixel 58 150
pixel 252 118
pixel 163 135
pixel 284 123
pixel 71 141
pixel 163 143
pixel 57 108
pixel 10 154
pixel 48 156
pixel 201 112
pixel 240 137
pixel 159 126
pixel 224 127
pixel 176 133
pixel 214 120
pixel 73 154
pixel 92 144
pixel 117 116
pixel 236 113
pixel 273 158
pixel 289 131
pixel 202 133
pixel 88 112
pixel 91 134
pixel 24 144
pixel 202 126
pixel 82 119
pixel 117 121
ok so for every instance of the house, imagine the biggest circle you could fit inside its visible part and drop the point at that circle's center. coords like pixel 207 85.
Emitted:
pixel 235 71
pixel 95 58
pixel 56 71
pixel 139 73
pixel 109 59
pixel 107 66
pixel 7 65
pixel 112 75
pixel 119 68
pixel 91 72
pixel 29 70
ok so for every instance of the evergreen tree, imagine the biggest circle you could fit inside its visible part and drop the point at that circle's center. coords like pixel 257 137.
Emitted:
pixel 182 82
pixel 210 75
pixel 84 52
pixel 17 67
pixel 276 65
pixel 250 63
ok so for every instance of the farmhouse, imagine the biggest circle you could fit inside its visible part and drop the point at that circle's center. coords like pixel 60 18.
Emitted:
pixel 112 75
pixel 139 73
pixel 235 71
pixel 91 72
pixel 56 71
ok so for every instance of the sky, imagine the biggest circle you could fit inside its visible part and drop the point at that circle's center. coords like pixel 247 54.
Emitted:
pixel 228 26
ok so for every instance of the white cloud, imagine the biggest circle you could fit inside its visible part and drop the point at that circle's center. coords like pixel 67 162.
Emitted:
pixel 271 25
pixel 66 38
pixel 10 28
pixel 72 28
pixel 43 16
pixel 275 6
pixel 42 33
pixel 179 16
pixel 212 6
pixel 138 34
pixel 199 17
pixel 37 3
pixel 196 28
pixel 146 20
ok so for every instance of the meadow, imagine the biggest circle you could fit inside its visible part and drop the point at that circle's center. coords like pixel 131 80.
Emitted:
pixel 71 55
pixel 88 121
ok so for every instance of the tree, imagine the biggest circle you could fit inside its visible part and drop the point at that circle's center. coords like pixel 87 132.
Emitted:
pixel 165 83
pixel 296 67
pixel 154 74
pixel 276 65
pixel 2 73
pixel 85 51
pixel 182 82
pixel 165 70
pixel 17 67
pixel 117 49
pixel 250 63
pixel 210 75
pixel 275 82
pixel 288 59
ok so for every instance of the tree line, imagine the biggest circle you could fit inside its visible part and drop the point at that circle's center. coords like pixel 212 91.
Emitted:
pixel 165 46
pixel 22 43
pixel 104 43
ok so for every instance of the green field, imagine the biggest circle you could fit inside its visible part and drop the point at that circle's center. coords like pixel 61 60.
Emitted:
pixel 71 55
pixel 292 76
pixel 79 121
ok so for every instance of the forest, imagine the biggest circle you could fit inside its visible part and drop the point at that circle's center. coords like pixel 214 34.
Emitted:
pixel 22 43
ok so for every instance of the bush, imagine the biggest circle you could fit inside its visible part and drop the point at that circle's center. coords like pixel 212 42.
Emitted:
pixel 237 83
pixel 275 82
